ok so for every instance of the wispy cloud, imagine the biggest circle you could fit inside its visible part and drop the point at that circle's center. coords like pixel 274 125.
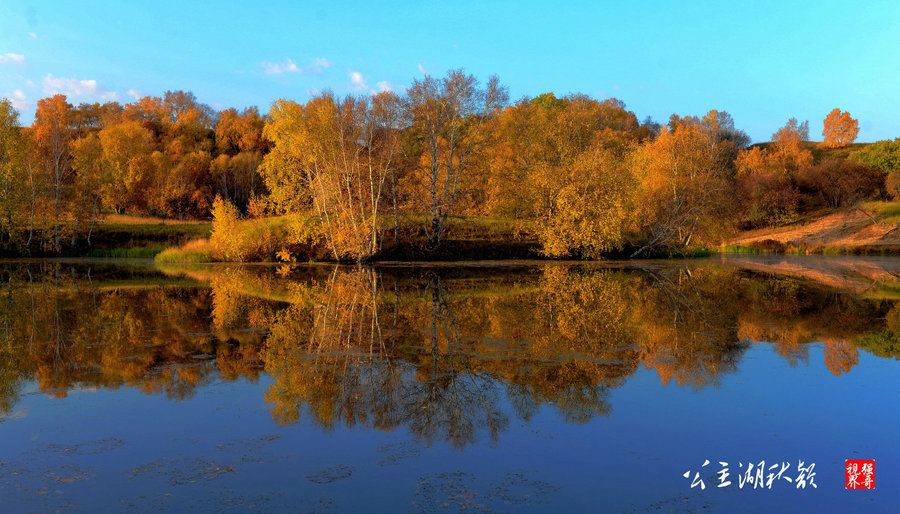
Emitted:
pixel 76 87
pixel 358 81
pixel 33 35
pixel 277 68
pixel 316 67
pixel 384 86
pixel 12 59
pixel 134 93
pixel 19 100
pixel 320 63
pixel 421 67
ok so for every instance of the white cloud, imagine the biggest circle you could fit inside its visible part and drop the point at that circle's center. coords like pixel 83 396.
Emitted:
pixel 315 67
pixel 29 82
pixel 33 35
pixel 421 68
pixel 77 88
pixel 384 86
pixel 12 59
pixel 19 101
pixel 134 93
pixel 74 87
pixel 358 81
pixel 277 68
pixel 321 63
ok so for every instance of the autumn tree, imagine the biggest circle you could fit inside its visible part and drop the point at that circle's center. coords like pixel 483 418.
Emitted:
pixel 561 163
pixel 88 162
pixel 241 145
pixel 127 170
pixel 589 213
pixel 448 115
pixel 767 177
pixel 52 130
pixel 840 129
pixel 227 237
pixel 13 175
pixel 684 178
pixel 334 156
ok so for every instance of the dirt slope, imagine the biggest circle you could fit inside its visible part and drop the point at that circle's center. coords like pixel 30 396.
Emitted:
pixel 846 228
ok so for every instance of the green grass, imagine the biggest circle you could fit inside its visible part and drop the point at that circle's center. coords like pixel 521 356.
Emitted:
pixel 465 227
pixel 740 249
pixel 155 230
pixel 885 212
pixel 142 252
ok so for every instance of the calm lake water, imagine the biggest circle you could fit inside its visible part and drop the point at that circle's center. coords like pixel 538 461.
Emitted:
pixel 519 387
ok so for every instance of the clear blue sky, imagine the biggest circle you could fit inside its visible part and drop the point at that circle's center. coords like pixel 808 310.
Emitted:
pixel 763 62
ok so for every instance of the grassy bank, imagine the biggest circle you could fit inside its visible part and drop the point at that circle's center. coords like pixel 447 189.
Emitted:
pixel 467 238
pixel 125 237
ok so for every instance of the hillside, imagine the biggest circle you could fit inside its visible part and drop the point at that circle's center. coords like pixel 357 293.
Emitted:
pixel 874 224
pixel 821 153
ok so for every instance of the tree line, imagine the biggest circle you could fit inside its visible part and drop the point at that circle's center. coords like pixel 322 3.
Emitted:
pixel 584 175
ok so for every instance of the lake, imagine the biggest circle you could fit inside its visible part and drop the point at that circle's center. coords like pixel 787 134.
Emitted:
pixel 518 386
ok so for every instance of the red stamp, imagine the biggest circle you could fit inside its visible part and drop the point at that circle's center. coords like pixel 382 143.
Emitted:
pixel 859 474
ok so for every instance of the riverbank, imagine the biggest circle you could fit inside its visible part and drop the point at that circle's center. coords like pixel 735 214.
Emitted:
pixel 872 228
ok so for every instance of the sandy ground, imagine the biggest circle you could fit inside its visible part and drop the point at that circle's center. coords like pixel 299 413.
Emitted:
pixel 848 228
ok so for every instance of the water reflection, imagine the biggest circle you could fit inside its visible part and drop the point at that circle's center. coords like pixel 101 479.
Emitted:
pixel 449 354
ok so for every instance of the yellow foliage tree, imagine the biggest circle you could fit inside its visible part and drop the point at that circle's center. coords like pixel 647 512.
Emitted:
pixel 840 129
pixel 589 212
pixel 333 157
pixel 683 183
pixel 227 238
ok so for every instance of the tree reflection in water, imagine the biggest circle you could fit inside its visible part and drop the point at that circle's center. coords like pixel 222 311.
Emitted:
pixel 447 353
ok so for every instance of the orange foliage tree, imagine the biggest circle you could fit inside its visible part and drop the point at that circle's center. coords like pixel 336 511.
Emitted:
pixel 840 129
pixel 52 130
pixel 684 178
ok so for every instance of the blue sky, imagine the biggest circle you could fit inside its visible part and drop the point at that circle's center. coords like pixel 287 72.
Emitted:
pixel 763 62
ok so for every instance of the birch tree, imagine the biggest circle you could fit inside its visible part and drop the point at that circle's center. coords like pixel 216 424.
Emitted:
pixel 449 114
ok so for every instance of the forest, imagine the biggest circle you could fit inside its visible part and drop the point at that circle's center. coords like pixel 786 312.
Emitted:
pixel 364 177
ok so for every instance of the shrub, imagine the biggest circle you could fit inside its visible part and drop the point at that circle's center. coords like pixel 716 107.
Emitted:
pixel 883 155
pixel 840 182
pixel 227 237
pixel 892 184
